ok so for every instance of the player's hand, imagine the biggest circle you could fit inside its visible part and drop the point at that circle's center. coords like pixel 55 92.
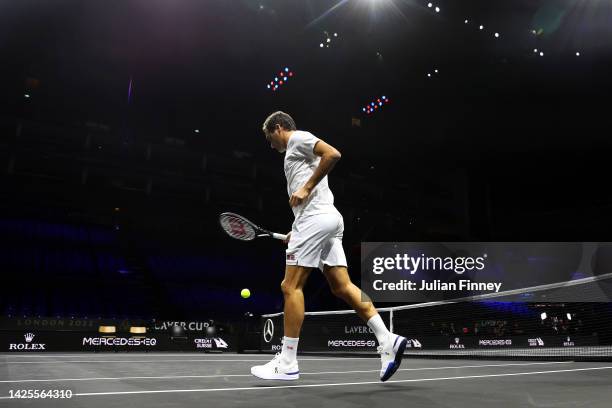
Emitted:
pixel 299 196
pixel 286 241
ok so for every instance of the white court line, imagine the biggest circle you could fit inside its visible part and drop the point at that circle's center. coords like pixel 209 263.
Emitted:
pixel 175 361
pixel 12 355
pixel 172 377
pixel 277 387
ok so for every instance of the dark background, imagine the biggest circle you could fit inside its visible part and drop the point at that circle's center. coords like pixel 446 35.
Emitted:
pixel 109 205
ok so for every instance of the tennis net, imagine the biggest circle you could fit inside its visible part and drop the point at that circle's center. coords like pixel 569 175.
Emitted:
pixel 521 324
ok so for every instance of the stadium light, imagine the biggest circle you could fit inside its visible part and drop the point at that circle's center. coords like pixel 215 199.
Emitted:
pixel 107 329
pixel 375 104
pixel 138 330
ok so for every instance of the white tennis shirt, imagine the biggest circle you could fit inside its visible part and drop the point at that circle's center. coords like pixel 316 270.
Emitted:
pixel 300 164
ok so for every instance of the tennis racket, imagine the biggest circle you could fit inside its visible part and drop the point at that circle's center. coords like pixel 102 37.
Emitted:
pixel 240 228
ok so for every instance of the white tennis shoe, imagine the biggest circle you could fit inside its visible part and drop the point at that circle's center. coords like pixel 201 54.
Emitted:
pixel 391 354
pixel 277 370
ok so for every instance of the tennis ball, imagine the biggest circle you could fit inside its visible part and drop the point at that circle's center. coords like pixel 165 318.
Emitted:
pixel 245 293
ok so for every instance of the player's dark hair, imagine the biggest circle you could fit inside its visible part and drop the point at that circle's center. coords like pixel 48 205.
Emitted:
pixel 279 118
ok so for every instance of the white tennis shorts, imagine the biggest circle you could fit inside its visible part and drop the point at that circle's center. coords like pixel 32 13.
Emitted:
pixel 316 240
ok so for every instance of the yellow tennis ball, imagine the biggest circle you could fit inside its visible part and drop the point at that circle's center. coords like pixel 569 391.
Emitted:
pixel 245 293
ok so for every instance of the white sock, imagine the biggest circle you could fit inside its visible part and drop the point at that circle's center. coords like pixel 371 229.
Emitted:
pixel 380 330
pixel 289 352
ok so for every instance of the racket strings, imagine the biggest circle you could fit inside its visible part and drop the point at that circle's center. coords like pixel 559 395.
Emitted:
pixel 237 228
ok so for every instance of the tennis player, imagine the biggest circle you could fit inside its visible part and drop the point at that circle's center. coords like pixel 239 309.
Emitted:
pixel 315 241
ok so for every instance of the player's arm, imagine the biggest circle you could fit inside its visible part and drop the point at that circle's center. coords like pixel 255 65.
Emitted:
pixel 329 156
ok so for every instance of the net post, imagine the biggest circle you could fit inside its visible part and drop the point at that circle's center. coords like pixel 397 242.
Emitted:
pixel 391 320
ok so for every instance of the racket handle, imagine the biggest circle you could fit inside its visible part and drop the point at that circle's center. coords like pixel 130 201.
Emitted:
pixel 282 237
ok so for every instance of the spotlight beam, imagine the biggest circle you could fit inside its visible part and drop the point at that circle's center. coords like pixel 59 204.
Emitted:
pixel 327 13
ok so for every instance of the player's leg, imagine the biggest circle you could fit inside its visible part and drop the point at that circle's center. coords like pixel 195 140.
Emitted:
pixel 391 346
pixel 342 287
pixel 333 264
pixel 292 287
pixel 284 365
pixel 340 284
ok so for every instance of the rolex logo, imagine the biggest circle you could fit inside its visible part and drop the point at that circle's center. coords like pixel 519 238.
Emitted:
pixel 28 345
pixel 457 344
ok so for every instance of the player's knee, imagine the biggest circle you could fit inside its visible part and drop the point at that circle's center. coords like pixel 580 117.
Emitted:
pixel 287 288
